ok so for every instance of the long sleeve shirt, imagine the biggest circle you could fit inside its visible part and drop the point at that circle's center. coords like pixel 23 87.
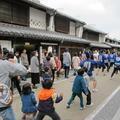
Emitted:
pixel 9 70
pixel 79 85
pixel 34 65
pixel 66 59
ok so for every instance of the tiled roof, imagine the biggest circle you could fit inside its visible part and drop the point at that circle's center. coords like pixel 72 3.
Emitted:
pixel 9 30
pixel 113 39
pixel 100 45
pixel 113 45
pixel 38 4
pixel 70 17
pixel 93 29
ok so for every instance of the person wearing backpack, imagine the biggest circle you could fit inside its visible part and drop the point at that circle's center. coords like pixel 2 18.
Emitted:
pixel 7 71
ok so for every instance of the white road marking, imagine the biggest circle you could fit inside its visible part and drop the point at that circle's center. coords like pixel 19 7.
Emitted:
pixel 101 106
pixel 117 115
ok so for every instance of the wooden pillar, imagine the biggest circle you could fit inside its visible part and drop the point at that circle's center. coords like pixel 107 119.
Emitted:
pixel 40 52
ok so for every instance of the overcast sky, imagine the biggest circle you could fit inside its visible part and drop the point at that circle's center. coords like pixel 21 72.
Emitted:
pixel 103 14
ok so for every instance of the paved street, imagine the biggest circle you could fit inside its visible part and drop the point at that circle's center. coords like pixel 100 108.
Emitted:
pixel 105 89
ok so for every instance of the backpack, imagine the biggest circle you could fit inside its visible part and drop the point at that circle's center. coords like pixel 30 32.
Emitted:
pixel 5 95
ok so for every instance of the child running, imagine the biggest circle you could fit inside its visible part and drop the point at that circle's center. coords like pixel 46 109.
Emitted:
pixel 79 87
pixel 47 97
pixel 29 102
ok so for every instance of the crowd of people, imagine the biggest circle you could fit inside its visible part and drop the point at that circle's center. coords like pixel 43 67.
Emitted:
pixel 15 67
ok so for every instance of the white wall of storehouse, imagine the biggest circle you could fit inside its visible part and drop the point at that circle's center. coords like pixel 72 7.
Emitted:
pixel 72 28
pixel 37 19
pixel 101 38
pixel 6 44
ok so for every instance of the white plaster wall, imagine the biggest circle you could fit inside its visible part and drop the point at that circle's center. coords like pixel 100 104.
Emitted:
pixel 72 28
pixel 101 38
pixel 37 19
pixel 6 44
pixel 79 31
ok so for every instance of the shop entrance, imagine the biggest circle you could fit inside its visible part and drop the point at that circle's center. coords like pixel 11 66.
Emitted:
pixel 50 47
pixel 29 48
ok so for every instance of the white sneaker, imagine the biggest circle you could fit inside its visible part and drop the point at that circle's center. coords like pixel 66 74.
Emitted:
pixel 94 90
pixel 90 105
pixel 81 108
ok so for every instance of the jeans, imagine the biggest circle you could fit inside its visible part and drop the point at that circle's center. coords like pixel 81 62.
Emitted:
pixel 7 114
pixel 53 115
pixel 88 98
pixel 73 97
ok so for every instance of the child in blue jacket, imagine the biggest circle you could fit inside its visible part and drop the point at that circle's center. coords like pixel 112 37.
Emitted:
pixel 79 87
pixel 29 102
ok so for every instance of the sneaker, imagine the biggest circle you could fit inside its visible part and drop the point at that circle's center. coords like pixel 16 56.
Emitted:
pixel 81 108
pixel 94 90
pixel 68 106
pixel 90 105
